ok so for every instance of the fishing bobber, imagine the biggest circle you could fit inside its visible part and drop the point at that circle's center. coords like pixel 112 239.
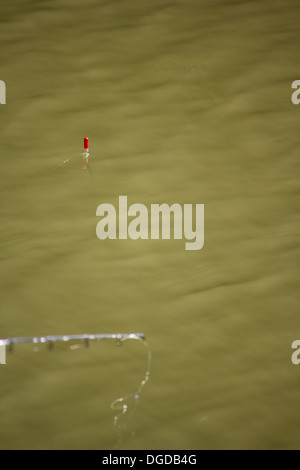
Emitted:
pixel 86 144
pixel 85 152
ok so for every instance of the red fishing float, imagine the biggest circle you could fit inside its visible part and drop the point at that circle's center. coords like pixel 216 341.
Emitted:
pixel 85 152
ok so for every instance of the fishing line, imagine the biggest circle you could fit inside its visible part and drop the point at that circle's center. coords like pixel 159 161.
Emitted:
pixel 127 405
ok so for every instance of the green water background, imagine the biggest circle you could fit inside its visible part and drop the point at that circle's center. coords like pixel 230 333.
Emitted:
pixel 185 101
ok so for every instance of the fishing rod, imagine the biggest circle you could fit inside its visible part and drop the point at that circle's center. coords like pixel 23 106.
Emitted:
pixel 50 340
pixel 125 405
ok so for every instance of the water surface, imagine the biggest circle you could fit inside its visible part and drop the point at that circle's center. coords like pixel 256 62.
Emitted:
pixel 185 101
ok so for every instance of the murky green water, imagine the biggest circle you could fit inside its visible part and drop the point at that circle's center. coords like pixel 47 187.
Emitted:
pixel 184 101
